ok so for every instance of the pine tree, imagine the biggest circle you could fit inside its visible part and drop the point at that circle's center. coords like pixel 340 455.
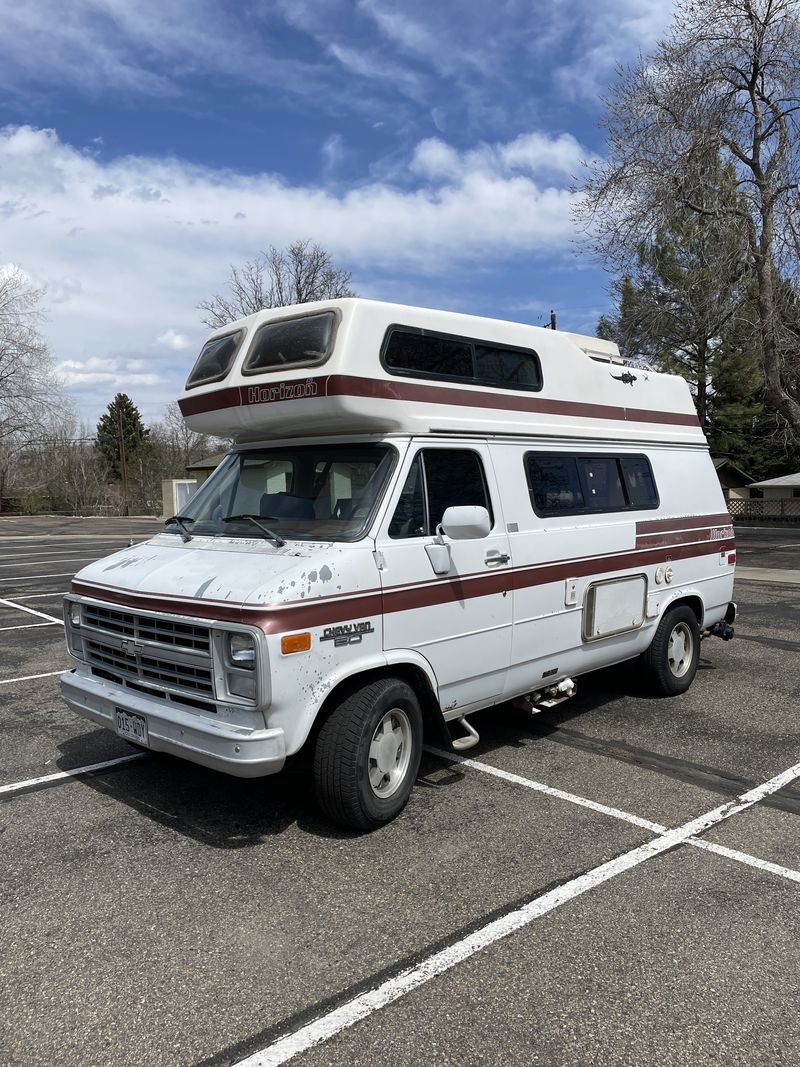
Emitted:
pixel 121 434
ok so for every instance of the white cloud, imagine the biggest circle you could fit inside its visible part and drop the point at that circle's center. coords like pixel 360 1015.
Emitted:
pixel 112 373
pixel 535 153
pixel 333 152
pixel 603 36
pixel 136 266
pixel 170 338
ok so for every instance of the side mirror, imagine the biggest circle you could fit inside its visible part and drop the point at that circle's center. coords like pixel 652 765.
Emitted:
pixel 466 523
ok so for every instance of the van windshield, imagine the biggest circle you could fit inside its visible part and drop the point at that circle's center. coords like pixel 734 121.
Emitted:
pixel 325 492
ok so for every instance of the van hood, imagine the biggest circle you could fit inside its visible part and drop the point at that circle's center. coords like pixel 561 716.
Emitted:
pixel 236 572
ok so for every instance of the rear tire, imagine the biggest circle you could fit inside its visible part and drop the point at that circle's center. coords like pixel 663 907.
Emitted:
pixel 367 754
pixel 670 663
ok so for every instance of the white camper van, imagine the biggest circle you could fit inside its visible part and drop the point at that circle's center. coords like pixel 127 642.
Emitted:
pixel 424 514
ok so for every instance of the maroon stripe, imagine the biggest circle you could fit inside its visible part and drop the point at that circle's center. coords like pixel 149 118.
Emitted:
pixel 214 401
pixel 666 540
pixel 275 619
pixel 683 522
pixel 280 392
pixel 203 609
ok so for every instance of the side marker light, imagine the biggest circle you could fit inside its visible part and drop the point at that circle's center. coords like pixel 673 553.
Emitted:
pixel 295 643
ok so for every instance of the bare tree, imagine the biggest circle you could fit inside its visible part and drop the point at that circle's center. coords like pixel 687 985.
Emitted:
pixel 29 391
pixel 178 446
pixel 276 278
pixel 28 385
pixel 727 79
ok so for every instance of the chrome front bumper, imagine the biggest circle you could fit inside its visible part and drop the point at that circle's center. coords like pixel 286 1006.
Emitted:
pixel 223 746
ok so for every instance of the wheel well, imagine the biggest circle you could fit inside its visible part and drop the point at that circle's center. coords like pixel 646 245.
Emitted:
pixel 693 602
pixel 435 727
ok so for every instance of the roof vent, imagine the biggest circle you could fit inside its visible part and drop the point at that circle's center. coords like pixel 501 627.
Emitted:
pixel 596 348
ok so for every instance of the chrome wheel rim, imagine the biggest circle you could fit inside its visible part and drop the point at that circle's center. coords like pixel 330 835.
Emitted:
pixel 680 649
pixel 390 753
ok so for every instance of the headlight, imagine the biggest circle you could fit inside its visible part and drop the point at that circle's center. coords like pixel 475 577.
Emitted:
pixel 242 651
pixel 72 628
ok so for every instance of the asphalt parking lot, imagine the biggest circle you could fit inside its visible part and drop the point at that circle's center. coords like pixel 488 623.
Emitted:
pixel 585 889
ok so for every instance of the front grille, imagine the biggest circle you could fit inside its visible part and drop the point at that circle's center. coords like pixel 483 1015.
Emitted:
pixel 147 668
pixel 161 657
pixel 143 628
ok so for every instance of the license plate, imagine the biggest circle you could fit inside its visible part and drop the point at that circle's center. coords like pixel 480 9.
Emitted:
pixel 131 727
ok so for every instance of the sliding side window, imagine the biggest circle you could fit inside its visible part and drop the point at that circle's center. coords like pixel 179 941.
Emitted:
pixel 562 483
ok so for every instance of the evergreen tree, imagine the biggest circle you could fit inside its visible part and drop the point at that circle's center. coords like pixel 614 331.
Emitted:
pixel 120 425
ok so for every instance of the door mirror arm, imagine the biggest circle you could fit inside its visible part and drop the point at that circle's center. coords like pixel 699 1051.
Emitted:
pixel 439 553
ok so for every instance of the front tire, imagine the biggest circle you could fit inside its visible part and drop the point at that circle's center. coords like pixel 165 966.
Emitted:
pixel 670 663
pixel 367 754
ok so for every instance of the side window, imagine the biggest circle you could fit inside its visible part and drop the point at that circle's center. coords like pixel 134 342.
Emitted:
pixel 603 483
pixel 417 353
pixel 507 368
pixel 422 354
pixel 554 484
pixel 438 479
pixel 453 478
pixel 566 484
pixel 215 359
pixel 639 482
pixel 409 515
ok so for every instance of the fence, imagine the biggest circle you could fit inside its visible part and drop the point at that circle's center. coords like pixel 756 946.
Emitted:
pixel 770 510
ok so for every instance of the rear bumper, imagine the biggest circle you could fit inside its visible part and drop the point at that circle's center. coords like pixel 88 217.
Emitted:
pixel 235 750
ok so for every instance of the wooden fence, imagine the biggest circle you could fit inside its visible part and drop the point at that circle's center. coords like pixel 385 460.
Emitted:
pixel 769 510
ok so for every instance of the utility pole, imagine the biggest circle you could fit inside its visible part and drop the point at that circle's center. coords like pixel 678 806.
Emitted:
pixel 122 467
pixel 552 319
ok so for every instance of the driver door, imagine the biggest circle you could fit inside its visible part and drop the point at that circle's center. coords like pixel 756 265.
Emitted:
pixel 459 621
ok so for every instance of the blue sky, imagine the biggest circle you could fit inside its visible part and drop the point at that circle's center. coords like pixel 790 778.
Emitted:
pixel 429 147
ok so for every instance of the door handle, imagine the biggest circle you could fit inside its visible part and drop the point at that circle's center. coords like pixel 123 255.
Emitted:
pixel 497 557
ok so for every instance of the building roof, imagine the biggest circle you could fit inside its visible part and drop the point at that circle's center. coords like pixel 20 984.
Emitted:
pixel 787 481
pixel 721 461
pixel 207 464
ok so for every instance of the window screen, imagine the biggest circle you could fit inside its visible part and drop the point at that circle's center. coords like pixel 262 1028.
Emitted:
pixel 296 342
pixel 568 484
pixel 420 353
pixel 438 479
pixel 215 359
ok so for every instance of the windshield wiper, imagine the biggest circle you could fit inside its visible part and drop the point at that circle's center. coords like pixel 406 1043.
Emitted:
pixel 181 520
pixel 279 541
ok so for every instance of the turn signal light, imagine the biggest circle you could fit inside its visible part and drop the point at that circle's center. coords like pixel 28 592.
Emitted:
pixel 295 643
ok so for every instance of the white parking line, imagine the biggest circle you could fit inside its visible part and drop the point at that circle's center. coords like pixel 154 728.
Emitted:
pixel 59 547
pixel 18 787
pixel 30 626
pixel 32 611
pixel 36 596
pixel 325 1027
pixel 32 577
pixel 616 813
pixel 39 562
pixel 30 677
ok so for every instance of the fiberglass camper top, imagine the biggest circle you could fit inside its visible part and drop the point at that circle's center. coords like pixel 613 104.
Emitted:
pixel 362 366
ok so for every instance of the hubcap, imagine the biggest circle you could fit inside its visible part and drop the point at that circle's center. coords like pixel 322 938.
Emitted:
pixel 680 650
pixel 390 753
